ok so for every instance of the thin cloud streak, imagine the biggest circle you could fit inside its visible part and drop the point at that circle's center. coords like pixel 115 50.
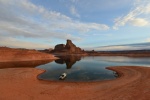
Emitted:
pixel 23 19
pixel 15 43
pixel 138 16
pixel 141 46
pixel 48 21
pixel 74 12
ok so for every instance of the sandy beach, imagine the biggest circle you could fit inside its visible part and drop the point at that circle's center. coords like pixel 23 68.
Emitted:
pixel 22 84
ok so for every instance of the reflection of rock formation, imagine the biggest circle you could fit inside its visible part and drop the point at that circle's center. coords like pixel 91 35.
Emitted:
pixel 69 60
pixel 68 48
pixel 60 61
pixel 21 64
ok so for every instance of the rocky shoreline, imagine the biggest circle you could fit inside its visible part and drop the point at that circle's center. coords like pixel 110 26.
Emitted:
pixel 16 54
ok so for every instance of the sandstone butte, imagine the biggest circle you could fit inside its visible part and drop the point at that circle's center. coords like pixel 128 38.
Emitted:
pixel 22 84
pixel 10 54
pixel 69 48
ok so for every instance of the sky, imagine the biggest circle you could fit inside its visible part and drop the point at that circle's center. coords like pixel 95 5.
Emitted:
pixel 90 24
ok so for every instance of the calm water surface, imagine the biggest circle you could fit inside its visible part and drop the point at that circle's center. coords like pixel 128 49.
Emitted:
pixel 88 68
pixel 80 68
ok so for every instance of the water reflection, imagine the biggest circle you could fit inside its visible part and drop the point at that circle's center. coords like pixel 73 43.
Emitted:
pixel 77 68
pixel 68 60
pixel 17 64
pixel 88 68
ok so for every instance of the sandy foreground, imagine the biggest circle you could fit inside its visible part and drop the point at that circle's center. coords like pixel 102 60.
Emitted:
pixel 22 84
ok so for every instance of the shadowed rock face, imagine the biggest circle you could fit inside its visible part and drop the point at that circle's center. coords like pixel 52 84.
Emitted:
pixel 71 47
pixel 68 60
pixel 22 64
pixel 59 47
pixel 60 61
pixel 68 48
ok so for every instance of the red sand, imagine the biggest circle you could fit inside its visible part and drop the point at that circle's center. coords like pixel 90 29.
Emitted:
pixel 22 84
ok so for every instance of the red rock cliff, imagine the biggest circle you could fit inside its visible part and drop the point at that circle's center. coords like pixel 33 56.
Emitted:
pixel 9 54
pixel 68 48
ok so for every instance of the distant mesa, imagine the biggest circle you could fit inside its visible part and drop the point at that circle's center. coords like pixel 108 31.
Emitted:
pixel 68 48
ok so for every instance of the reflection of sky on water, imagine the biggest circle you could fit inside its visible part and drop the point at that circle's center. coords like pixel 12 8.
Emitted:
pixel 89 68
pixel 120 60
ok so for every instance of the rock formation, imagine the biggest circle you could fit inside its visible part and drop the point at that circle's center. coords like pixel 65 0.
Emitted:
pixel 12 54
pixel 59 47
pixel 68 48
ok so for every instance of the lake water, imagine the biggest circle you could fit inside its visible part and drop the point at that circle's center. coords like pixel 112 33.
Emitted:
pixel 88 68
pixel 80 68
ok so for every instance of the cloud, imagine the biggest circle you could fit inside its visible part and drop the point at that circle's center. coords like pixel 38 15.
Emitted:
pixel 22 18
pixel 35 20
pixel 74 11
pixel 124 47
pixel 99 5
pixel 147 40
pixel 138 16
pixel 111 48
pixel 139 22
pixel 15 43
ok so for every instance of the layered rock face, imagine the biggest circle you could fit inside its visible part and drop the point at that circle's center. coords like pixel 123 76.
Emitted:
pixel 68 48
pixel 10 54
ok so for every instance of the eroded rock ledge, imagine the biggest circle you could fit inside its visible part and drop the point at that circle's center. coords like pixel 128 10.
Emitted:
pixel 13 54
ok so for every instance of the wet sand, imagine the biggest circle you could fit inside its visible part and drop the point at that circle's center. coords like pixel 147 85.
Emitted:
pixel 22 84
